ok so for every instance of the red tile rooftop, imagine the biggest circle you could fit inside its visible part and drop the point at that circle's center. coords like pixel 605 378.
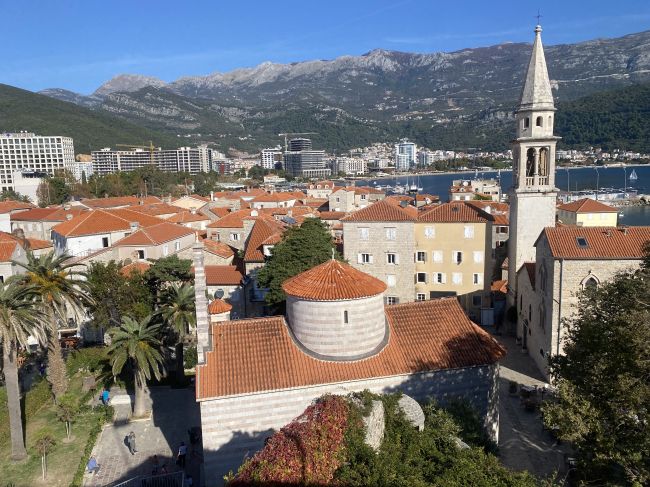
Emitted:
pixel 596 243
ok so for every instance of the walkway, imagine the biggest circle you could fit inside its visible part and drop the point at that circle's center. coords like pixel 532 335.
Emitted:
pixel 523 443
pixel 175 412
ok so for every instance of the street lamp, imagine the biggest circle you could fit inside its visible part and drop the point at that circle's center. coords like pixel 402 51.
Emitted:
pixel 597 181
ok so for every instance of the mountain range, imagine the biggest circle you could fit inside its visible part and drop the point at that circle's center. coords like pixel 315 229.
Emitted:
pixel 449 100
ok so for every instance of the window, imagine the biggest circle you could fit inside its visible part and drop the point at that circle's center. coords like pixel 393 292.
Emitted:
pixel 391 281
pixel 437 256
pixel 457 278
pixel 476 301
pixel 421 277
pixel 391 258
pixel 177 245
pixel 539 122
pixel 392 300
pixel 140 254
pixel 469 231
pixel 526 122
pixel 420 256
pixel 421 297
pixel 430 232
pixel 391 233
pixel 502 229
pixel 591 283
pixel 165 250
pixel 364 233
pixel 345 316
pixel 457 256
pixel 234 237
pixel 439 277
pixel 104 242
pixel 477 278
pixel 478 256
pixel 364 258
pixel 582 242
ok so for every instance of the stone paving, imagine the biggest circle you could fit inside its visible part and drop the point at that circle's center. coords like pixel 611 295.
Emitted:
pixel 523 442
pixel 175 412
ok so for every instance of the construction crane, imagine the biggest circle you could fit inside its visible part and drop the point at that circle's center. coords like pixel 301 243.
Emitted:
pixel 149 147
pixel 291 134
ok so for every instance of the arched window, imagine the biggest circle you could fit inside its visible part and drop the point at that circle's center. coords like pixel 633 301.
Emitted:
pixel 526 122
pixel 345 316
pixel 543 162
pixel 590 283
pixel 530 163
pixel 539 121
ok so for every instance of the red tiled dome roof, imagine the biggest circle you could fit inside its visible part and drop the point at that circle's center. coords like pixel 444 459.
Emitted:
pixel 331 281
pixel 218 306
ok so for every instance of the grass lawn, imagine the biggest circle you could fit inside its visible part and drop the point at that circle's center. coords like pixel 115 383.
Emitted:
pixel 63 461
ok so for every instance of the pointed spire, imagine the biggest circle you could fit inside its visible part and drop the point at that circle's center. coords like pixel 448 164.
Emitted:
pixel 537 94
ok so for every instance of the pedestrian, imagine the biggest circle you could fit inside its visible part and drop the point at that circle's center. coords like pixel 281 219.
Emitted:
pixel 156 465
pixel 105 396
pixel 131 442
pixel 92 466
pixel 41 369
pixel 163 469
pixel 182 453
pixel 188 481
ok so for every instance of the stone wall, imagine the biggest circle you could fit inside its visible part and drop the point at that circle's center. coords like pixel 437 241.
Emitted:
pixel 235 427
pixel 320 327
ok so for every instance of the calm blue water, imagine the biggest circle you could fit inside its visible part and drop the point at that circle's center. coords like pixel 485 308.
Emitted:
pixel 578 179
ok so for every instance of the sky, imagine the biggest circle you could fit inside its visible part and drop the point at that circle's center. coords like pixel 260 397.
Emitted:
pixel 78 45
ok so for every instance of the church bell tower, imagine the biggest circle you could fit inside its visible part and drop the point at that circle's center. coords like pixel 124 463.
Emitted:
pixel 533 193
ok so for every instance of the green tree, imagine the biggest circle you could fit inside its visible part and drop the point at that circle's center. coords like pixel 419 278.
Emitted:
pixel 138 344
pixel 166 270
pixel 301 248
pixel 10 194
pixel 20 317
pixel 114 294
pixel 603 383
pixel 62 291
pixel 178 312
pixel 54 190
pixel 67 411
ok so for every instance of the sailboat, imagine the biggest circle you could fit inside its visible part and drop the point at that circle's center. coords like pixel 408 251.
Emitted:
pixel 633 176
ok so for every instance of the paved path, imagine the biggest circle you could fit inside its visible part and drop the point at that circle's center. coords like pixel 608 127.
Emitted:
pixel 175 411
pixel 523 443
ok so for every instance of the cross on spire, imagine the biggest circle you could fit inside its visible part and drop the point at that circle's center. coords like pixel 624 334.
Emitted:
pixel 538 16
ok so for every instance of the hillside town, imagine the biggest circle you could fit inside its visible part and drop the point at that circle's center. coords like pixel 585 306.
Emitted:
pixel 200 327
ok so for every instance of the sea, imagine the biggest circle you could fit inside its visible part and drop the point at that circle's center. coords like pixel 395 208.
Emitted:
pixel 576 179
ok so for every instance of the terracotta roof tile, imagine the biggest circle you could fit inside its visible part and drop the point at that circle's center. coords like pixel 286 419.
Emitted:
pixel 8 245
pixel 103 221
pixel 218 306
pixel 222 275
pixel 218 248
pixel 138 266
pixel 187 217
pixel 332 281
pixel 233 219
pixel 10 205
pixel 52 214
pixel 250 356
pixel 155 235
pixel 587 205
pixel 600 242
pixel 118 201
pixel 274 197
pixel 38 244
pixel 156 209
pixel 262 230
pixel 381 211
pixel 455 212
pixel 332 215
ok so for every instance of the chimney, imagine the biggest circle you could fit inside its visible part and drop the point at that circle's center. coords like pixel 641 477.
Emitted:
pixel 203 336
pixel 66 207
pixel 193 211
pixel 68 216
pixel 134 226
pixel 211 195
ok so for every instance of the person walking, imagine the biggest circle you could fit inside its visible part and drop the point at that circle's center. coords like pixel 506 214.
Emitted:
pixel 105 396
pixel 131 442
pixel 182 453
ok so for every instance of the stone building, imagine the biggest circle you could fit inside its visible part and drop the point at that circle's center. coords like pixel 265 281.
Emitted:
pixel 587 213
pixel 533 194
pixel 569 260
pixel 380 240
pixel 256 375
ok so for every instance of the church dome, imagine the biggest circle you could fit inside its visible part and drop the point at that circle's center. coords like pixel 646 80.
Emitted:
pixel 218 306
pixel 336 312
pixel 331 281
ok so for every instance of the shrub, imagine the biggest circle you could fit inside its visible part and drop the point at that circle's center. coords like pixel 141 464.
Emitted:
pixel 91 359
pixel 190 358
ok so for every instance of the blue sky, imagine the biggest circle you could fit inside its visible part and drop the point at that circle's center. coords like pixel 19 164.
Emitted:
pixel 79 44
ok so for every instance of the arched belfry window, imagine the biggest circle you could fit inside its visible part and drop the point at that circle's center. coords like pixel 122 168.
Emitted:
pixel 590 283
pixel 530 163
pixel 543 162
pixel 539 122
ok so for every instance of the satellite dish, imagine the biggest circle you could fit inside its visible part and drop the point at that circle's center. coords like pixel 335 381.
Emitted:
pixel 218 294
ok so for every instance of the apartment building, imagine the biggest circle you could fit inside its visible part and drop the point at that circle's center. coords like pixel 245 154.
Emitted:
pixel 25 151
pixel 470 189
pixel 453 256
pixel 192 160
pixel 270 157
pixel 405 156
pixel 380 240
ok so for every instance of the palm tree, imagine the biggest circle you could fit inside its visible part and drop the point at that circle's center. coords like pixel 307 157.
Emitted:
pixel 20 317
pixel 62 290
pixel 178 312
pixel 137 343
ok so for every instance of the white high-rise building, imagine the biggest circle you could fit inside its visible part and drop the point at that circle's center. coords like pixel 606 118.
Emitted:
pixel 26 151
pixel 269 157
pixel 79 168
pixel 405 155
pixel 533 193
pixel 184 159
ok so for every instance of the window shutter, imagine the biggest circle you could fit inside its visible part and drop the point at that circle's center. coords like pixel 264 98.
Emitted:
pixel 396 258
pixel 371 260
pixel 359 258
